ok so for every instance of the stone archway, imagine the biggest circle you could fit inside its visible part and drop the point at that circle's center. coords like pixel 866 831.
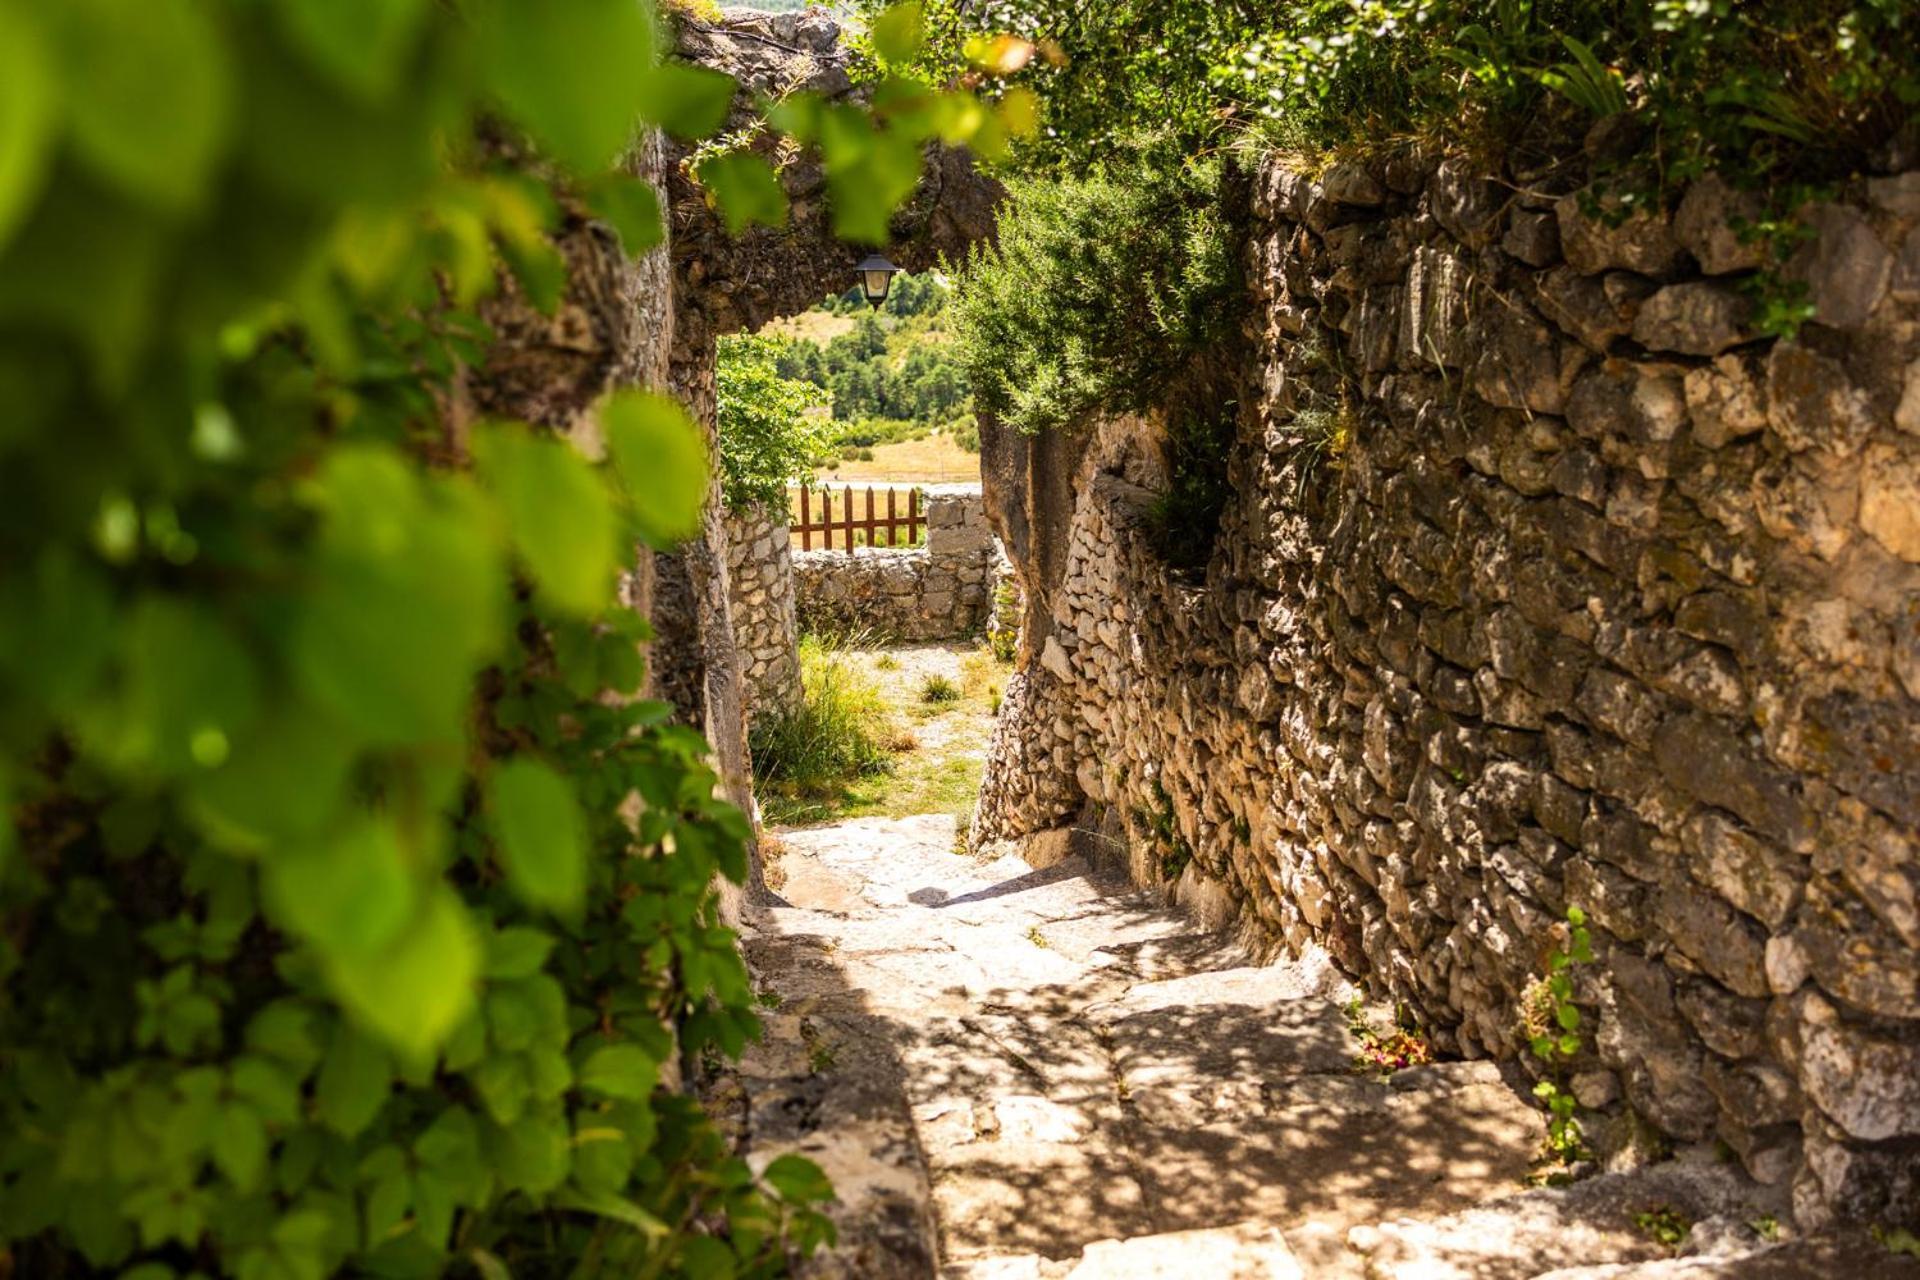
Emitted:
pixel 724 283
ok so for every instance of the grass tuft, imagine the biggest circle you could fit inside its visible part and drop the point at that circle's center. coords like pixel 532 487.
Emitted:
pixel 841 731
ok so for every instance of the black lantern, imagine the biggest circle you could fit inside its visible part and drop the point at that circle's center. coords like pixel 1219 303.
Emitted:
pixel 876 277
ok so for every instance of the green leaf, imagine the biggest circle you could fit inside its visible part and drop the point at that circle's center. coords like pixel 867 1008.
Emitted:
pixel 540 268
pixel 356 1078
pixel 619 1071
pixel 404 600
pixel 616 1208
pixel 574 72
pixel 745 188
pixel 632 208
pixel 362 44
pixel 707 1258
pixel 660 457
pixel 281 782
pixel 488 1266
pixel 415 991
pixel 149 94
pixel 240 1145
pixel 1568 1016
pixel 542 833
pixel 29 117
pixel 87 265
pixel 502 1083
pixel 534 1153
pixel 899 33
pixel 269 1088
pixel 284 1030
pixel 187 689
pixel 60 622
pixel 351 896
pixel 511 1021
pixel 688 102
pixel 558 514
pixel 517 952
pixel 797 1179
pixel 1575 916
pixel 865 191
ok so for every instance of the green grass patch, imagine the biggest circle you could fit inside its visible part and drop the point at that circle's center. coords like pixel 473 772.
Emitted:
pixel 805 760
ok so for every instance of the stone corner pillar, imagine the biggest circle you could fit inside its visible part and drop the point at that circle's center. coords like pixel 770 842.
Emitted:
pixel 760 578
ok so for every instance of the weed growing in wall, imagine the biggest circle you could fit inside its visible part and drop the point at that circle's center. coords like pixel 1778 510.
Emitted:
pixel 1163 832
pixel 1551 1021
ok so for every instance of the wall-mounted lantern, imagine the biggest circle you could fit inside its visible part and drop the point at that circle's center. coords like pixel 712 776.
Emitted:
pixel 876 277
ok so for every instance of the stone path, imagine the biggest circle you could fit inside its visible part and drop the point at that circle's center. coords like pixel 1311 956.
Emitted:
pixel 1015 1073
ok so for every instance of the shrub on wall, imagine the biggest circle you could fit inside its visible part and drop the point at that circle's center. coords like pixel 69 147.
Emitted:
pixel 1102 292
pixel 1790 90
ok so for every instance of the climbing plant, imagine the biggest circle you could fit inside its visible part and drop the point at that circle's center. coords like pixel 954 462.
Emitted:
pixel 1550 1020
pixel 356 916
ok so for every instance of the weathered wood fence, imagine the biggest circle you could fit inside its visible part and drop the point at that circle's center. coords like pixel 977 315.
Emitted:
pixel 835 510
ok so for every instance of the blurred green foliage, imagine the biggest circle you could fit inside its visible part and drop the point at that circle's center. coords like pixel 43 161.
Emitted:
pixel 356 915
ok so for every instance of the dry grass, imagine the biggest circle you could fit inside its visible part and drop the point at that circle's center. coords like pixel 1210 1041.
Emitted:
pixel 817 327
pixel 933 460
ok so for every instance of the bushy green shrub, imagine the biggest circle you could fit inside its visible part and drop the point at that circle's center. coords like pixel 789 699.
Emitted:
pixel 936 689
pixel 1781 90
pixel 773 431
pixel 1103 293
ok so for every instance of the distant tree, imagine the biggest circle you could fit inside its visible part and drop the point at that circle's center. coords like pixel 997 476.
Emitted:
pixel 772 430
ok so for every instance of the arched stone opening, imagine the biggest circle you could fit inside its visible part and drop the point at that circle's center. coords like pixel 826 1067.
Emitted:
pixel 723 283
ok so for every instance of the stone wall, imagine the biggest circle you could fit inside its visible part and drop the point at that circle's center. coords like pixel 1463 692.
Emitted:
pixel 760 572
pixel 941 590
pixel 1547 582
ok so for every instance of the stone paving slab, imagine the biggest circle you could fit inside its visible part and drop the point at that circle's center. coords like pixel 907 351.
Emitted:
pixel 1022 1074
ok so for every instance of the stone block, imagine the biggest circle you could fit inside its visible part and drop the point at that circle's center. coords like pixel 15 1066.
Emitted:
pixel 1698 318
pixel 1844 266
pixel 1706 225
pixel 1643 242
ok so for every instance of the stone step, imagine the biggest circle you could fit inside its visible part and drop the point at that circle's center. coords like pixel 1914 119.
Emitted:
pixel 1245 1251
pixel 1591 1223
pixel 1855 1255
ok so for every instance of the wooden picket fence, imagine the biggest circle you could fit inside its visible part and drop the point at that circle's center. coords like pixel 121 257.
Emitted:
pixel 830 510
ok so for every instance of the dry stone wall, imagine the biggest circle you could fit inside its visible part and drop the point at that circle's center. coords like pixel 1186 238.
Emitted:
pixel 760 573
pixel 1547 582
pixel 941 590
